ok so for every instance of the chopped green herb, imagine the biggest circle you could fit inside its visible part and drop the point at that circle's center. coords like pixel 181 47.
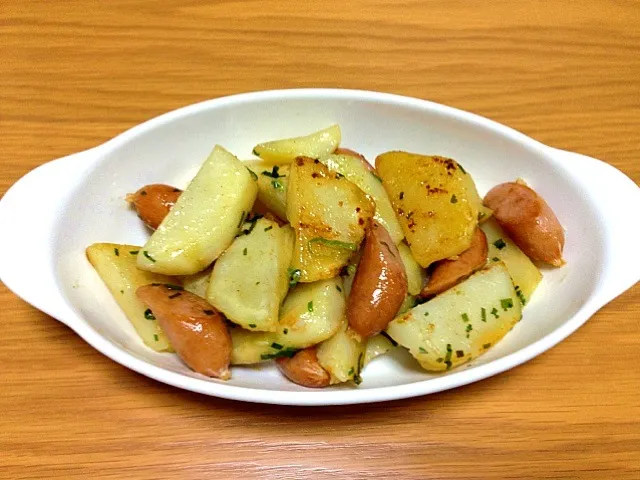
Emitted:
pixel 277 346
pixel 148 314
pixel 462 169
pixel 174 295
pixel 357 379
pixel 447 357
pixel 168 285
pixel 273 173
pixel 294 276
pixel 465 317
pixel 506 303
pixel 133 252
pixel 116 251
pixel 333 243
pixel 252 325
pixel 351 371
pixel 338 288
pixel 499 244
pixel 208 312
pixel 459 353
pixel 285 331
pixel 146 254
pixel 494 312
pixel 287 352
pixel 310 306
pixel 521 297
pixel 244 252
pixel 483 314
pixel 257 283
pixel 155 337
pixel 268 228
pixel 252 223
pixel 422 350
pixel 469 327
pixel 388 337
pixel 255 152
pixel 495 259
pixel 242 217
pixel 122 292
pixel 253 174
pixel 454 199
pixel 486 345
pixel 277 184
pixel 440 360
pixel 426 314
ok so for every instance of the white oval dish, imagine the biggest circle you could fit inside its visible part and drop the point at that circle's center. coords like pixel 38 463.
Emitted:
pixel 50 215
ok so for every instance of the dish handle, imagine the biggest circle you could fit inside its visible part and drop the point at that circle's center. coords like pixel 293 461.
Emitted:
pixel 617 198
pixel 29 211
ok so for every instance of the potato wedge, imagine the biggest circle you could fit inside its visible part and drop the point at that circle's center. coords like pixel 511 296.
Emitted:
pixel 314 145
pixel 116 265
pixel 436 202
pixel 377 346
pixel 249 280
pixel 196 330
pixel 524 273
pixel 449 272
pixel 273 182
pixel 416 276
pixel 311 313
pixel 342 355
pixel 528 220
pixel 153 203
pixel 358 171
pixel 329 215
pixel 205 219
pixel 462 322
pixel 304 369
pixel 380 284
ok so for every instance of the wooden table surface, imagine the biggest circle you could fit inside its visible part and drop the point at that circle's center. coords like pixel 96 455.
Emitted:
pixel 74 74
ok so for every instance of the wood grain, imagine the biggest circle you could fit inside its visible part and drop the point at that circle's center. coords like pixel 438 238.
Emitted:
pixel 74 74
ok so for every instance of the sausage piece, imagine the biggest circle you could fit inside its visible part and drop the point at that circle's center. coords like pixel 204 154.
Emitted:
pixel 379 286
pixel 195 329
pixel 153 202
pixel 304 369
pixel 528 220
pixel 448 273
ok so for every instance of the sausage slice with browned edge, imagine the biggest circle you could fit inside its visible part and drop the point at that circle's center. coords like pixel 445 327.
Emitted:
pixel 304 369
pixel 379 286
pixel 153 202
pixel 196 330
pixel 448 273
pixel 528 220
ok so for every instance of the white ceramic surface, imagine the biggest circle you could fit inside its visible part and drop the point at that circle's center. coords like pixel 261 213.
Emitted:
pixel 50 215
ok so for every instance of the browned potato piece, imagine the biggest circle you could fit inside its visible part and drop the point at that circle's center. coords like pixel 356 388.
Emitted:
pixel 195 329
pixel 380 284
pixel 448 273
pixel 528 220
pixel 153 202
pixel 304 369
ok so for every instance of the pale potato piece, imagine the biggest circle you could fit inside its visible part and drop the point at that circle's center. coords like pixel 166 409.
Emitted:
pixel 272 185
pixel 416 276
pixel 354 170
pixel 376 346
pixel 205 219
pixel 436 202
pixel 198 283
pixel 329 215
pixel 524 273
pixel 249 280
pixel 314 145
pixel 116 265
pixel 342 355
pixel 310 314
pixel 462 322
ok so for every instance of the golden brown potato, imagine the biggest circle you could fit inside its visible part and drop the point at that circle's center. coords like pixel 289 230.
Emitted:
pixel 153 202
pixel 380 284
pixel 195 329
pixel 303 368
pixel 448 273
pixel 528 220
